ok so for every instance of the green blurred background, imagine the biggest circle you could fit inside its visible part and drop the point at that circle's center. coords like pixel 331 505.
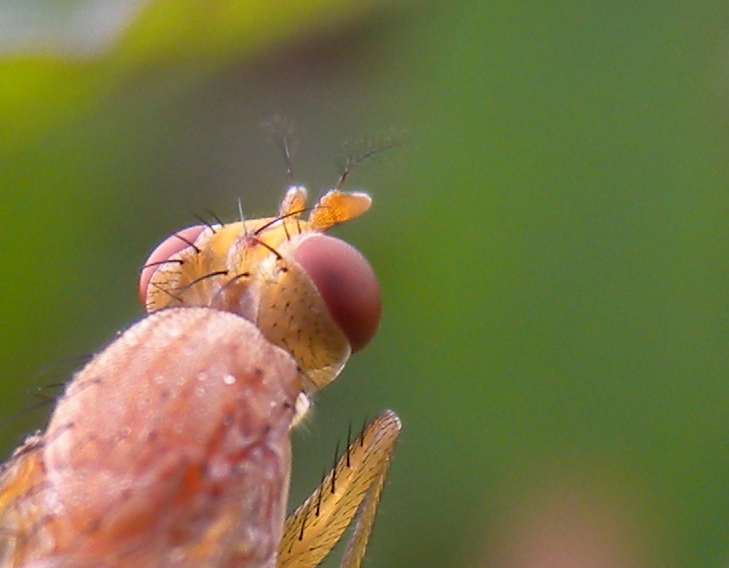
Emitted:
pixel 552 241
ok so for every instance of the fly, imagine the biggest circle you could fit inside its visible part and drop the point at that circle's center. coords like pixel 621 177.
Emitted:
pixel 171 447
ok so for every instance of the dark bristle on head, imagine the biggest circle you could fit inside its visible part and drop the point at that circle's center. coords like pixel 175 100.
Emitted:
pixel 188 242
pixel 204 222
pixel 280 218
pixel 204 277
pixel 215 217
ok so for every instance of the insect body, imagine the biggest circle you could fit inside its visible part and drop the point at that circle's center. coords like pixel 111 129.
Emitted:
pixel 171 448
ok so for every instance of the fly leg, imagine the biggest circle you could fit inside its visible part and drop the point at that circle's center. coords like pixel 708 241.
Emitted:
pixel 350 492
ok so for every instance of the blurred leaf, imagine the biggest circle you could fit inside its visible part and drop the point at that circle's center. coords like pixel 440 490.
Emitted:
pixel 40 91
pixel 192 30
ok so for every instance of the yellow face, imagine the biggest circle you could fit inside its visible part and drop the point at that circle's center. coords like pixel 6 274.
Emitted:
pixel 250 268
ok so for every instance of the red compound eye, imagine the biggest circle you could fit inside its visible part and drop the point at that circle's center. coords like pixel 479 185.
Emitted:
pixel 164 251
pixel 347 284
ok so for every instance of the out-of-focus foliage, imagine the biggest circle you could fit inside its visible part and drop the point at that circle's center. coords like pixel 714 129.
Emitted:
pixel 552 242
pixel 46 80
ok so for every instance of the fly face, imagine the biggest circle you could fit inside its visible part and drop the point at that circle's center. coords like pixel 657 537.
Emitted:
pixel 311 294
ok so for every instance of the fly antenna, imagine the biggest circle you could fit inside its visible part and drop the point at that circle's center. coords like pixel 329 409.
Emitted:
pixel 361 150
pixel 283 130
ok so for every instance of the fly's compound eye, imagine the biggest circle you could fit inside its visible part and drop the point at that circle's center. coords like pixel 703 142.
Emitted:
pixel 163 254
pixel 346 283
